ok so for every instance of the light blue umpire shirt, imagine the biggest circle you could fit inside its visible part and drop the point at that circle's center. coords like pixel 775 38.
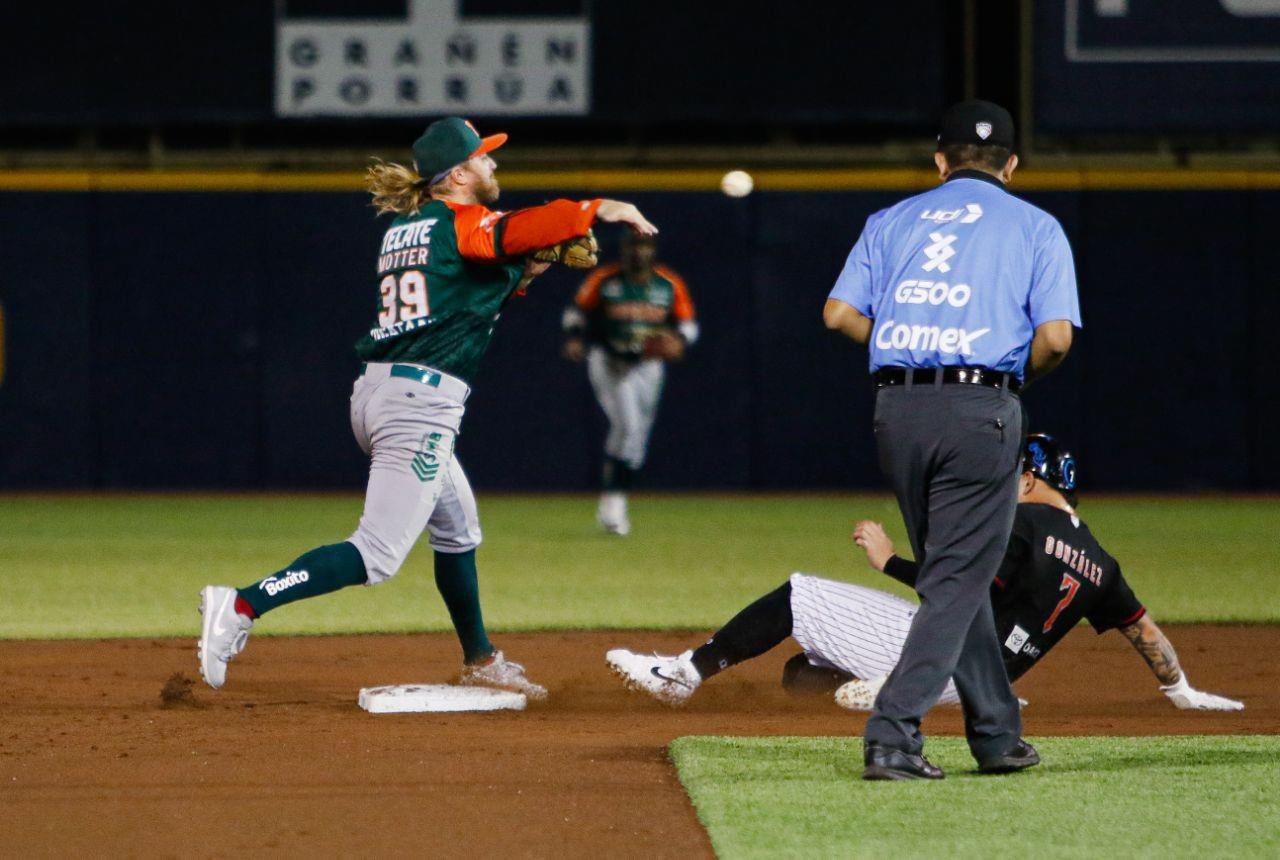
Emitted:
pixel 959 276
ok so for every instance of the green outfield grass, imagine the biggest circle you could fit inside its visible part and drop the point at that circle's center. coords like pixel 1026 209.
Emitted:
pixel 84 565
pixel 1093 797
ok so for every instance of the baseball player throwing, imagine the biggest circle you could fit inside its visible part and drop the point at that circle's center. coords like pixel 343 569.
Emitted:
pixel 1054 573
pixel 446 267
pixel 628 320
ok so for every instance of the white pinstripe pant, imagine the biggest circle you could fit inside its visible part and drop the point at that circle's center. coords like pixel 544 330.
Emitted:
pixel 854 629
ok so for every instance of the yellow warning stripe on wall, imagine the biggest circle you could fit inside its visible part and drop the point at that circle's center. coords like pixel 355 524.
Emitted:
pixel 621 180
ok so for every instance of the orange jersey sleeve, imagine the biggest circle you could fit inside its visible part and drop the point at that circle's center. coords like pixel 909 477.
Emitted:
pixel 474 226
pixel 487 235
pixel 588 297
pixel 681 304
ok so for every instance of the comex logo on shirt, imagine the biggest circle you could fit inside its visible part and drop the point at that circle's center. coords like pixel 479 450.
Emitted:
pixel 913 291
pixel 894 335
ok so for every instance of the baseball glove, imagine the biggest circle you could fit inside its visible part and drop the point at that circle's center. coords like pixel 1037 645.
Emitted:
pixel 665 344
pixel 581 252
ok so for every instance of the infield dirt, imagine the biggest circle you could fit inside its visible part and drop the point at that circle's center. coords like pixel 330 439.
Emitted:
pixel 95 760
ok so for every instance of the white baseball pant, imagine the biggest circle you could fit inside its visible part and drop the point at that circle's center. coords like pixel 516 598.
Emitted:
pixel 628 391
pixel 409 427
pixel 854 629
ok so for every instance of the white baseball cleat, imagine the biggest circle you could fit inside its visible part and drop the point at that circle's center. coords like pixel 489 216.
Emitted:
pixel 620 527
pixel 223 633
pixel 501 674
pixel 670 680
pixel 860 695
pixel 612 514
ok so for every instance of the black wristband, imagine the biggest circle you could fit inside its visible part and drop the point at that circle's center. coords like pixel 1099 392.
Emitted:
pixel 902 570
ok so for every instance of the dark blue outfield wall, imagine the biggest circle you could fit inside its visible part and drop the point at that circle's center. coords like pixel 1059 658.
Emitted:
pixel 195 340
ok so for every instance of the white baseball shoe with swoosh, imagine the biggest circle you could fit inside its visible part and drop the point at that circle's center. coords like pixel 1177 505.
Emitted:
pixel 670 680
pixel 223 633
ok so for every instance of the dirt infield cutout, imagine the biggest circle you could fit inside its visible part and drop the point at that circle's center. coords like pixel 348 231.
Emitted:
pixel 93 760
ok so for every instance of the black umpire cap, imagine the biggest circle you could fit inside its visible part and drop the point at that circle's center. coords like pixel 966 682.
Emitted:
pixel 977 123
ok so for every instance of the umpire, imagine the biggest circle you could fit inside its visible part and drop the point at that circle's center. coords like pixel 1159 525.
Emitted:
pixel 963 294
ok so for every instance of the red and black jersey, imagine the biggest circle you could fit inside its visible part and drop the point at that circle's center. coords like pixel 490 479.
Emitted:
pixel 1054 574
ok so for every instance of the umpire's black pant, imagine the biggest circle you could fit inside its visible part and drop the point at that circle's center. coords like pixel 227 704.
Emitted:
pixel 951 452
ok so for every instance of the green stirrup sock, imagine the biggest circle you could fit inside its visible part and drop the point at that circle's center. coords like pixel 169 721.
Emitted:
pixel 457 581
pixel 325 569
pixel 616 476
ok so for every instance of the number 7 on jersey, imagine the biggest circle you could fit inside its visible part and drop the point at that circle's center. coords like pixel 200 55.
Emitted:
pixel 1071 585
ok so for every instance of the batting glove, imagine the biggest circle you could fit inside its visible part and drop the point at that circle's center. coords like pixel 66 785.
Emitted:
pixel 1188 698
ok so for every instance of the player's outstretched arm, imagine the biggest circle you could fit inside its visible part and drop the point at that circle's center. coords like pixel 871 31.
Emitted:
pixel 1150 641
pixel 525 230
pixel 490 236
pixel 618 212
pixel 871 536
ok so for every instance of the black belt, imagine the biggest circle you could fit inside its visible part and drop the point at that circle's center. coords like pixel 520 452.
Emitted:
pixel 887 376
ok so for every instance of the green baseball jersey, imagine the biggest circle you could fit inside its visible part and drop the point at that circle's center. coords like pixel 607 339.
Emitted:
pixel 445 272
pixel 622 312
pixel 435 307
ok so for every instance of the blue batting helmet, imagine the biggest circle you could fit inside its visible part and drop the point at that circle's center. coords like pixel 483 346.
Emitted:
pixel 1050 462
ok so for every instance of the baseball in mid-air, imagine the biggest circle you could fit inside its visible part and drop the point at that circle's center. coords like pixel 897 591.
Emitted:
pixel 737 183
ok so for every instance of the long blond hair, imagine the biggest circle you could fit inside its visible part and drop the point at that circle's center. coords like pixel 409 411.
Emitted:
pixel 395 188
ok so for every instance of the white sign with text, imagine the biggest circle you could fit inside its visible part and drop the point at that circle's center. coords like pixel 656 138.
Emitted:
pixel 433 61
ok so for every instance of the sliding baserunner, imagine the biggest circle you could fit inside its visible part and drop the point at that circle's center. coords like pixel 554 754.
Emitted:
pixel 446 268
pixel 1054 574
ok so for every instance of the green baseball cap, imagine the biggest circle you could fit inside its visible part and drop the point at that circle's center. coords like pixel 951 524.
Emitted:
pixel 447 143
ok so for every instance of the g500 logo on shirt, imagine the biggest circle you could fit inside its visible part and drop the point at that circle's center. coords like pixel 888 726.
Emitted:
pixel 916 292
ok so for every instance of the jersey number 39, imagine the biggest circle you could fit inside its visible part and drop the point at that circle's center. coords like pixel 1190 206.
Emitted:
pixel 403 299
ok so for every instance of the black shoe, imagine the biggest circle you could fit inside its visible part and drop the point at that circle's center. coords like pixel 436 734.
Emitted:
pixel 888 763
pixel 1022 756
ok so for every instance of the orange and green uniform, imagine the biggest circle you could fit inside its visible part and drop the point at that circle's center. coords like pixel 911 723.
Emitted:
pixel 616 312
pixel 445 272
pixel 619 312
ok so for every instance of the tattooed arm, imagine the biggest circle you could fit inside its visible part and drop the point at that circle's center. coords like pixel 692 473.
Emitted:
pixel 1156 649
